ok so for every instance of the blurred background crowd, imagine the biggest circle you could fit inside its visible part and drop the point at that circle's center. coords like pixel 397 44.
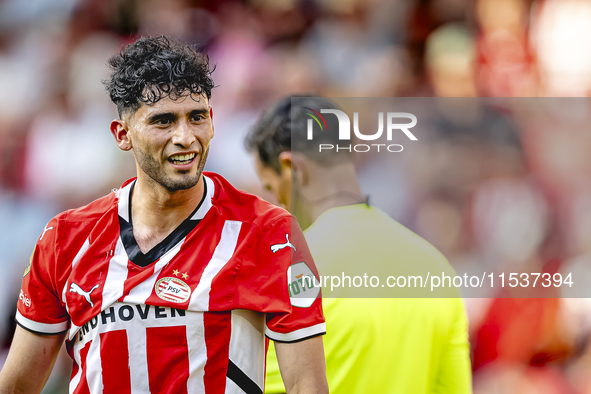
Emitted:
pixel 507 183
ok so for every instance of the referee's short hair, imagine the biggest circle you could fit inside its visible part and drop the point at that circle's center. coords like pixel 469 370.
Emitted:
pixel 283 127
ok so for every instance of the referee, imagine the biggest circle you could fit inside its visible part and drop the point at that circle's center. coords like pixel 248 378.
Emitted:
pixel 378 345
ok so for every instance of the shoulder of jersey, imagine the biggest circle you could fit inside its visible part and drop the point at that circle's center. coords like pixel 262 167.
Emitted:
pixel 239 205
pixel 414 242
pixel 89 213
pixel 76 224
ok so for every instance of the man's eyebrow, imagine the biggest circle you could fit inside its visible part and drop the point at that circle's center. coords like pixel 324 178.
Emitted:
pixel 161 115
pixel 199 111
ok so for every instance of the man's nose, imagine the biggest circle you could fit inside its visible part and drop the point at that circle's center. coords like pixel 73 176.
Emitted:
pixel 183 135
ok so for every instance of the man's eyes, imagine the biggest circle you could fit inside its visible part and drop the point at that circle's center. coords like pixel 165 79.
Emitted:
pixel 163 122
pixel 166 121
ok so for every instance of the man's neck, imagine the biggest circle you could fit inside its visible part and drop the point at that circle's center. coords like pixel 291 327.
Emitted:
pixel 156 211
pixel 327 188
pixel 337 198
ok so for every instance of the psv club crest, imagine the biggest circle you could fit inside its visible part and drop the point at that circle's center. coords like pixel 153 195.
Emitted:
pixel 173 290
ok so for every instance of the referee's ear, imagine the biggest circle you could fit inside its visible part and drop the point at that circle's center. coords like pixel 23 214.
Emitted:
pixel 296 163
pixel 119 129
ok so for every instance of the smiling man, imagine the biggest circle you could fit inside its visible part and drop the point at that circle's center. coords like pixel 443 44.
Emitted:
pixel 170 283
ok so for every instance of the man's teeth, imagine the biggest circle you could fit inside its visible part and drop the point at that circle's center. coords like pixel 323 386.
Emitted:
pixel 182 159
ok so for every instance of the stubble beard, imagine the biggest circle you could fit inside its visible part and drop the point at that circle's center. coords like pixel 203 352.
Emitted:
pixel 156 172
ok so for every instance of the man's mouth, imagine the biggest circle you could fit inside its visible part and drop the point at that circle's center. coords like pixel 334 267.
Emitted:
pixel 182 159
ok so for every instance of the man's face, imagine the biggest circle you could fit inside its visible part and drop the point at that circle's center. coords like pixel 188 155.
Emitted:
pixel 278 184
pixel 170 140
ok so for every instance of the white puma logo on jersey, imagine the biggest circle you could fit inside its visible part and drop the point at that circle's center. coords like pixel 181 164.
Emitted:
pixel 46 229
pixel 276 247
pixel 74 288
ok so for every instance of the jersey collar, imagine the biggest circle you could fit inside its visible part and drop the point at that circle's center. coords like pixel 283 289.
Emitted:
pixel 176 236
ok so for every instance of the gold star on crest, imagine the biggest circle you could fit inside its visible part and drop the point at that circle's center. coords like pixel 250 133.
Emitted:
pixel 175 272
pixel 185 276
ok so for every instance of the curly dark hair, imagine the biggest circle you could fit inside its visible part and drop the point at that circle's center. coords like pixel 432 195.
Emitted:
pixel 156 67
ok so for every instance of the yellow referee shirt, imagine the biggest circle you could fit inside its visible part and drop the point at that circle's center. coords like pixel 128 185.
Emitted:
pixel 384 345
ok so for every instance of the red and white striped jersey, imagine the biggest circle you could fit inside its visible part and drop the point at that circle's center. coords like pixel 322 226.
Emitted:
pixel 191 315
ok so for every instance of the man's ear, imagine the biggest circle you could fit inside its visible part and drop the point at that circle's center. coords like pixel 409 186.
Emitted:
pixel 119 129
pixel 211 118
pixel 285 164
pixel 297 166
pixel 285 159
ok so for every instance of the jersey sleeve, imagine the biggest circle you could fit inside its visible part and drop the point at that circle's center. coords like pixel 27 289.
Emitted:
pixel 39 308
pixel 280 279
pixel 298 285
pixel 455 375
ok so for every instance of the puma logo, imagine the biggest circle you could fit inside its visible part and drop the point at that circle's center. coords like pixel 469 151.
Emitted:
pixel 46 229
pixel 74 288
pixel 276 247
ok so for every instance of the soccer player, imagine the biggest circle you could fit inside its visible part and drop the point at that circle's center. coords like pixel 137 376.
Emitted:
pixel 402 346
pixel 170 283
